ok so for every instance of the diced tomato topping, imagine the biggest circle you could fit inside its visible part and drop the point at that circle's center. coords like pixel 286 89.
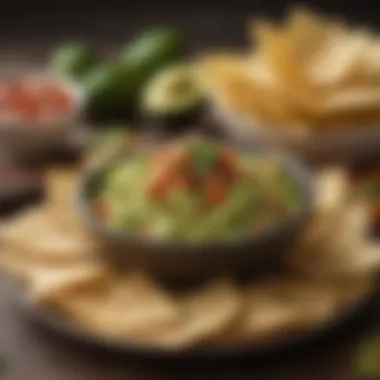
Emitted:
pixel 227 163
pixel 159 186
pixel 175 159
pixel 215 190
pixel 172 172
pixel 165 182
pixel 161 159
pixel 179 182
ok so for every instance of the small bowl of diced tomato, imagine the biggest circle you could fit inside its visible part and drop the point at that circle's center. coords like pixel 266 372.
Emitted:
pixel 38 109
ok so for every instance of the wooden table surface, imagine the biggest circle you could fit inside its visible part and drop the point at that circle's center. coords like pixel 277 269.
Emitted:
pixel 30 353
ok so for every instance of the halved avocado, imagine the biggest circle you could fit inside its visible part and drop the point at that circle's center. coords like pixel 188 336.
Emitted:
pixel 112 89
pixel 173 97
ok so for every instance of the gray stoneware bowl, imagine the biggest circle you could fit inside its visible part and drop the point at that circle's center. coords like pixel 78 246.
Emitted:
pixel 178 262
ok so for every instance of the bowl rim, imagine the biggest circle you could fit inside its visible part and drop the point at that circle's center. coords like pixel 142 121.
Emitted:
pixel 326 146
pixel 293 166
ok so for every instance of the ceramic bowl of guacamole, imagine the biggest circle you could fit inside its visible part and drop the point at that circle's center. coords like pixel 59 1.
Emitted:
pixel 195 208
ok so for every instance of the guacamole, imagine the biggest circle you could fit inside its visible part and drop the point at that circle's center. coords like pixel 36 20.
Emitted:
pixel 197 191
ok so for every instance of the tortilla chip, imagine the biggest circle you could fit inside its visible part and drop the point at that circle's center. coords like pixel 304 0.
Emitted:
pixel 48 284
pixel 206 313
pixel 128 308
pixel 35 235
pixel 21 222
pixel 17 266
pixel 275 47
pixel 341 250
pixel 370 71
pixel 278 307
pixel 312 73
pixel 60 204
pixel 331 189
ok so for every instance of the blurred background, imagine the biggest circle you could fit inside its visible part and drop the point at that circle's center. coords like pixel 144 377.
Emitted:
pixel 36 25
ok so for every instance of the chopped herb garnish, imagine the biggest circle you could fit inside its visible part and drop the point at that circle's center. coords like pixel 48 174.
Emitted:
pixel 204 157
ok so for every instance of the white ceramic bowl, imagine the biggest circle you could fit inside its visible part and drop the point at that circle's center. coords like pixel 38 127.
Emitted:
pixel 32 137
pixel 341 147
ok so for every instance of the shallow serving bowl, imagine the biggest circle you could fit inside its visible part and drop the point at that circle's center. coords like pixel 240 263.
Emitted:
pixel 186 261
pixel 339 147
pixel 31 137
